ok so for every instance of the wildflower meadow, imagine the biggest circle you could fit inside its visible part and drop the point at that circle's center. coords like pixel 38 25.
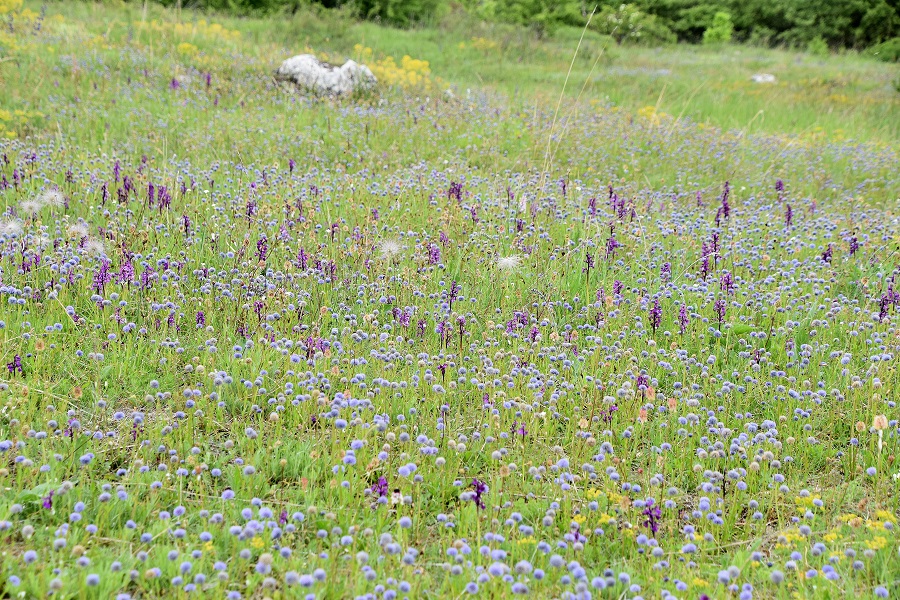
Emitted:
pixel 474 333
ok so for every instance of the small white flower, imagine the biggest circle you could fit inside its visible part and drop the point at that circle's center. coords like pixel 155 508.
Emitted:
pixel 31 207
pixel 52 198
pixel 11 228
pixel 389 248
pixel 94 247
pixel 509 263
pixel 78 230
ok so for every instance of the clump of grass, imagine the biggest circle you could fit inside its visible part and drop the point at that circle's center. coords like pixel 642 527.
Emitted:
pixel 258 343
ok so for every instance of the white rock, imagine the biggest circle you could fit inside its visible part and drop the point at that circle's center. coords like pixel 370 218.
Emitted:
pixel 309 72
pixel 763 78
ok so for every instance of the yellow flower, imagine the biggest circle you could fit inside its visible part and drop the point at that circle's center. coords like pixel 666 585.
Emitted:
pixel 483 44
pixel 186 49
pixel 592 493
pixel 8 6
pixel 410 73
pixel 526 540
pixel 877 543
pixel 257 543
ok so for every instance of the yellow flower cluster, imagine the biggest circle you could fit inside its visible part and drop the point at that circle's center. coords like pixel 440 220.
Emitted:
pixel 184 32
pixel 8 44
pixel 6 117
pixel 885 515
pixel 806 502
pixel 98 42
pixel 410 73
pixel 604 518
pixel 17 26
pixel 8 6
pixel 187 49
pixel 481 44
pixel 211 31
pixel 526 540
pixel 651 114
pixel 592 493
pixel 12 120
pixel 788 538
pixel 876 543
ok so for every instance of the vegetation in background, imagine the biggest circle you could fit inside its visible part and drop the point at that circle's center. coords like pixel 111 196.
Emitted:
pixel 720 31
pixel 793 23
pixel 461 336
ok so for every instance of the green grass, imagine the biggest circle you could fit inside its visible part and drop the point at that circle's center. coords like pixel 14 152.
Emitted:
pixel 839 97
pixel 228 348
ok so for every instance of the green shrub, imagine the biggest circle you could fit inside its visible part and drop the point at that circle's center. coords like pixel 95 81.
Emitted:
pixel 543 16
pixel 818 46
pixel 797 23
pixel 627 24
pixel 888 51
pixel 398 12
pixel 720 31
pixel 760 36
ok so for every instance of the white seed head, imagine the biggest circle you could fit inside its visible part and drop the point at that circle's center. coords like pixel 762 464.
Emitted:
pixel 509 263
pixel 389 248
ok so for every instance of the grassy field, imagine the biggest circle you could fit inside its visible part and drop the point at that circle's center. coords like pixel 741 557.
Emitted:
pixel 837 98
pixel 629 336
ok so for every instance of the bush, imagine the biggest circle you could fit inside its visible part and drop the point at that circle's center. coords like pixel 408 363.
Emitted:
pixel 628 24
pixel 760 36
pixel 543 16
pixel 818 46
pixel 720 31
pixel 398 12
pixel 888 51
pixel 797 23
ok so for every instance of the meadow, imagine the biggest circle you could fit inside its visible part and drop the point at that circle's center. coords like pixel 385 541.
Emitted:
pixel 606 323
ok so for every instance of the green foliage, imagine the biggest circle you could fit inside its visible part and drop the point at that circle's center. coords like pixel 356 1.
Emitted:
pixel 793 23
pixel 686 18
pixel 396 154
pixel 401 13
pixel 628 24
pixel 888 51
pixel 720 31
pixel 844 23
pixel 398 12
pixel 817 46
pixel 541 15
